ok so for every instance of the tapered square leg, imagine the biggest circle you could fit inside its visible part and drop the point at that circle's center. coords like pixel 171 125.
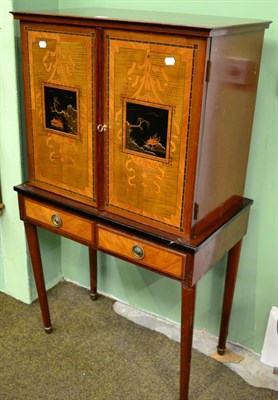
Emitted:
pixel 34 250
pixel 187 325
pixel 93 273
pixel 230 283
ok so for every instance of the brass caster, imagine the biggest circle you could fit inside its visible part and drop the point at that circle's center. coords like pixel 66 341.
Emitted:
pixel 221 352
pixel 94 296
pixel 48 330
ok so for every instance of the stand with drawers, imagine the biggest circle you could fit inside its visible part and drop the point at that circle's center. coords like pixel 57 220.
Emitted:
pixel 138 134
pixel 185 263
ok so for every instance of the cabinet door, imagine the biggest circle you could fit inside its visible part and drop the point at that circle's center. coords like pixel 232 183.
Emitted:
pixel 153 86
pixel 59 95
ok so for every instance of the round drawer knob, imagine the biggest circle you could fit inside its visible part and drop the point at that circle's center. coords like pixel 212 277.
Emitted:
pixel 138 251
pixel 56 220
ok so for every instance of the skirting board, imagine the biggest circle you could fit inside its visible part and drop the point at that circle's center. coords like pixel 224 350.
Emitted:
pixel 250 368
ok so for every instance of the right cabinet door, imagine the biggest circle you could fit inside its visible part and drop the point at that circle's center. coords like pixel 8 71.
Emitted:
pixel 153 87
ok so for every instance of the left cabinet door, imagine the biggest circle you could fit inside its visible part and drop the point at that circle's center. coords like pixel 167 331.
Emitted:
pixel 59 66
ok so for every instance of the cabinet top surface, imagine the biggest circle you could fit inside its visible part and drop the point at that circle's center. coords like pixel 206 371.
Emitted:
pixel 208 25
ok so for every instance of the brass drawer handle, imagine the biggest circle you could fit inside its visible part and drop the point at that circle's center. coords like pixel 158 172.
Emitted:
pixel 56 220
pixel 138 251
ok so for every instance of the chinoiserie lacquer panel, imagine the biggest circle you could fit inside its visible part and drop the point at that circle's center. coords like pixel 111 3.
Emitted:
pixel 149 97
pixel 61 102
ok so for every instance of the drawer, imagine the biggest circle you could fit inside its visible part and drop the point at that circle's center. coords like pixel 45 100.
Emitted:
pixel 140 251
pixel 61 222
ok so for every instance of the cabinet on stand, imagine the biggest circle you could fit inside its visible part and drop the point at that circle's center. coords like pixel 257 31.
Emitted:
pixel 138 133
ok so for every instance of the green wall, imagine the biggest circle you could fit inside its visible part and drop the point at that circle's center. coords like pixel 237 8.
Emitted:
pixel 16 278
pixel 14 274
pixel 257 284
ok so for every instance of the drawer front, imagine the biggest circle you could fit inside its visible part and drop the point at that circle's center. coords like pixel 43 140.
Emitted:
pixel 139 251
pixel 63 222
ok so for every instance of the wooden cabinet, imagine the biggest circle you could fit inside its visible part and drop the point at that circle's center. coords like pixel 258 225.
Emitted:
pixel 151 126
pixel 138 133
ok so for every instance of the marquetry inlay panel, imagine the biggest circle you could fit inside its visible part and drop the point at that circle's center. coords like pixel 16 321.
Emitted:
pixel 149 98
pixel 61 102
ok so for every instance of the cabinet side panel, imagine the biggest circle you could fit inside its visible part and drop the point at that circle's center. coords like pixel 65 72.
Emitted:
pixel 230 103
pixel 149 101
pixel 60 118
